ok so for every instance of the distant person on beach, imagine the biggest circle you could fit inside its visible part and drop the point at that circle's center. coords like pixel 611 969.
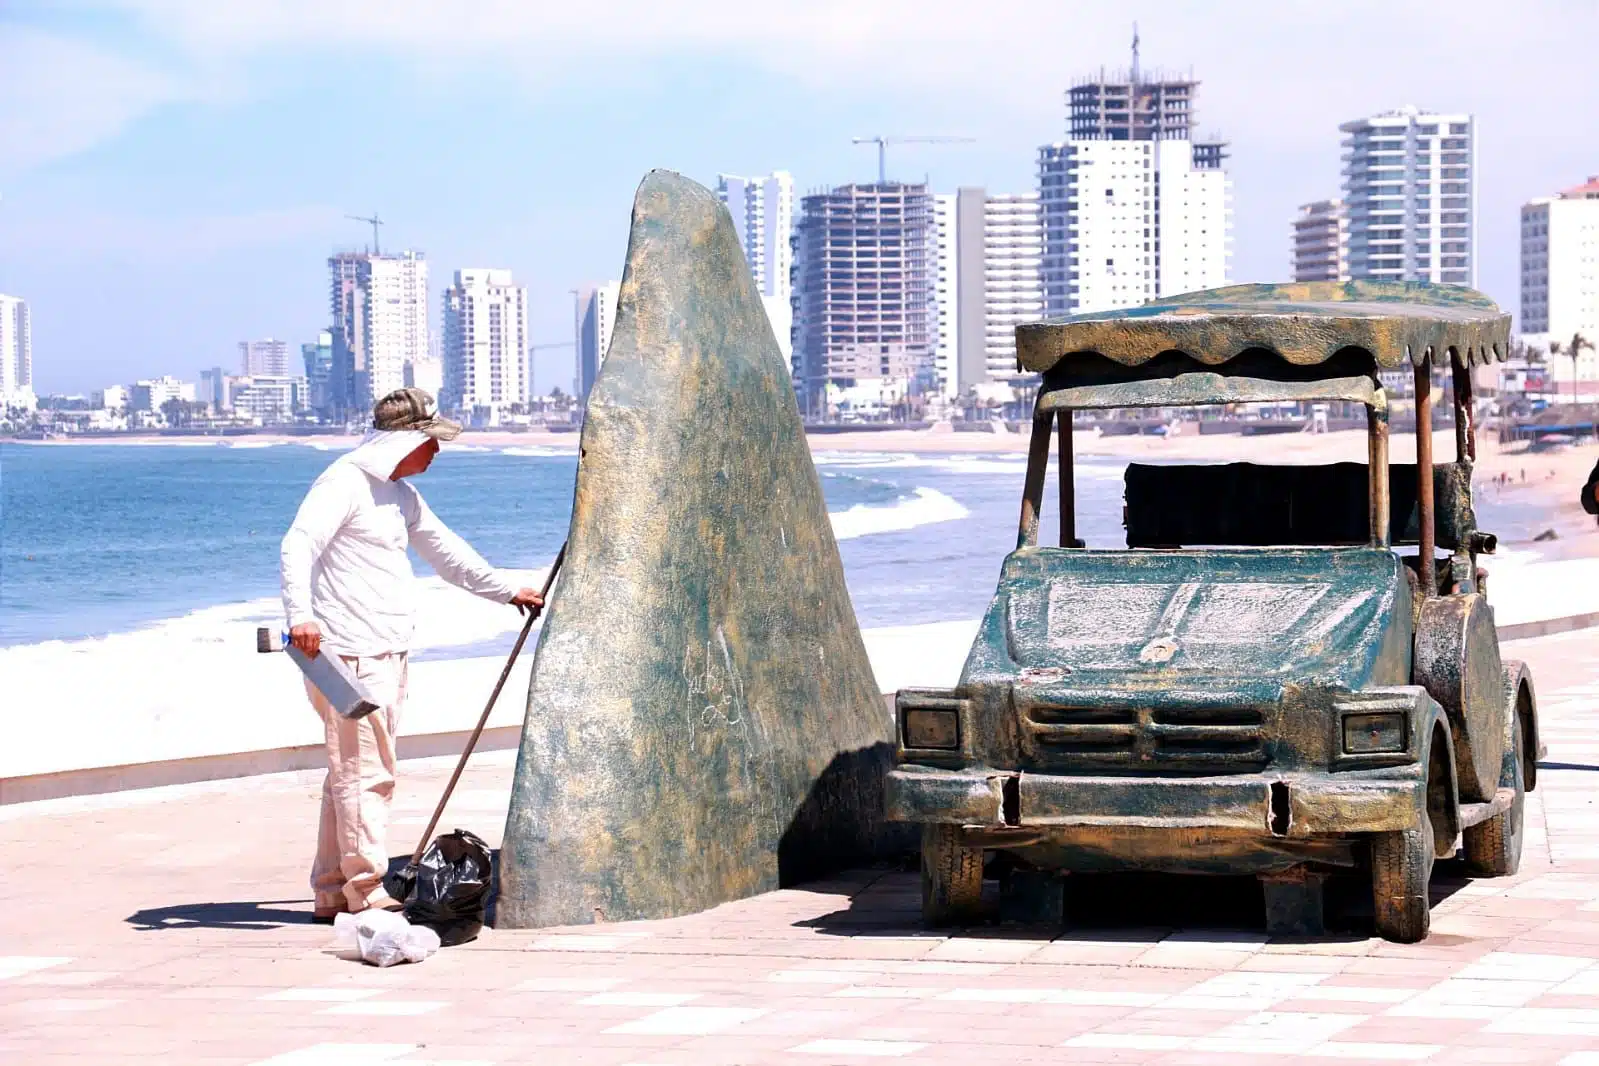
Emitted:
pixel 348 590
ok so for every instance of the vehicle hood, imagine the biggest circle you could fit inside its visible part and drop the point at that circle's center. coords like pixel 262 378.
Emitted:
pixel 1217 619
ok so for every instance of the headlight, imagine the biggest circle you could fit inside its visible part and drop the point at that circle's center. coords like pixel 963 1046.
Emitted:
pixel 1373 734
pixel 932 729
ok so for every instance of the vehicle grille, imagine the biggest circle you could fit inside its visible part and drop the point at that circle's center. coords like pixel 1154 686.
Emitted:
pixel 1168 739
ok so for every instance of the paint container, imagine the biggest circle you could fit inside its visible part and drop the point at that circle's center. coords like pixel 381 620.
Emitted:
pixel 329 673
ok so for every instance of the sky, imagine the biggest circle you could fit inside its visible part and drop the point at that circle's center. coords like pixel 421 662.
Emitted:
pixel 174 173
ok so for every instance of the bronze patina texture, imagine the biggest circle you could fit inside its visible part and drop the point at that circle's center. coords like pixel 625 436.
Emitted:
pixel 1304 323
pixel 1261 683
pixel 703 723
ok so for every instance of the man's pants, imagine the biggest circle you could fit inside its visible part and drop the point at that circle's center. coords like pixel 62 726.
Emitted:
pixel 352 850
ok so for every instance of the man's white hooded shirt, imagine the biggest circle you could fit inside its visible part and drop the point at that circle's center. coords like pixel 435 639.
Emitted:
pixel 344 562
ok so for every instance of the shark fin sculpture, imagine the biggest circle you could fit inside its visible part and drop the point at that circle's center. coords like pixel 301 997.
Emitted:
pixel 702 723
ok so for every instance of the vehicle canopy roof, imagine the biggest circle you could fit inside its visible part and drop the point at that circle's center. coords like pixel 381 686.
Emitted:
pixel 1312 330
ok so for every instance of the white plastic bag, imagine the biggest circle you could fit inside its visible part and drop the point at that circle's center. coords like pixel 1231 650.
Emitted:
pixel 382 938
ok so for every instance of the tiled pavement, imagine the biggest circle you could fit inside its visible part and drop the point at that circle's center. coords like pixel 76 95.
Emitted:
pixel 170 926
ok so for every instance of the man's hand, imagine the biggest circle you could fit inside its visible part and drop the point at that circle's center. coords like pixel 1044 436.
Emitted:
pixel 526 599
pixel 307 636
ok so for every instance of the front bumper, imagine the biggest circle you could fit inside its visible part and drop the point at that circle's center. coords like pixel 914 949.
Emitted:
pixel 1291 805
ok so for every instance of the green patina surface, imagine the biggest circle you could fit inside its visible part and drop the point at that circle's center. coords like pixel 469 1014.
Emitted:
pixel 703 723
pixel 1393 323
pixel 1191 629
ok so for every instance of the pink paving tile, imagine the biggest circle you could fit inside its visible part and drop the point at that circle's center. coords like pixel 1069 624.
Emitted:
pixel 173 980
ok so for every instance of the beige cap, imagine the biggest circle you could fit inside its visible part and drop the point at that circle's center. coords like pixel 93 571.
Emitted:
pixel 413 409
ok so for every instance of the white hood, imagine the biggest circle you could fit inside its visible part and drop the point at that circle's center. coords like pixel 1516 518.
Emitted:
pixel 381 450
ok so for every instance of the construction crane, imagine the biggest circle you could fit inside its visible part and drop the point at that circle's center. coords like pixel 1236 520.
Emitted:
pixel 374 222
pixel 883 143
pixel 537 348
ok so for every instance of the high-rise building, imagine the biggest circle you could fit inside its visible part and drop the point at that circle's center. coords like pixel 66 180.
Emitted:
pixel 485 344
pixel 763 216
pixel 1320 247
pixel 264 357
pixel 346 312
pixel 596 318
pixel 994 275
pixel 946 292
pixel 427 375
pixel 1013 291
pixel 1560 277
pixel 1410 191
pixel 214 389
pixel 380 323
pixel 864 299
pixel 1131 206
pixel 318 360
pixel 16 353
pixel 971 288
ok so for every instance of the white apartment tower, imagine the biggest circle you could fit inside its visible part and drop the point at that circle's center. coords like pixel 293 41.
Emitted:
pixel 763 216
pixel 946 293
pixel 1560 276
pixel 1131 207
pixel 1320 244
pixel 16 353
pixel 596 318
pixel 270 357
pixel 380 325
pixel 998 282
pixel 1013 288
pixel 1410 190
pixel 485 345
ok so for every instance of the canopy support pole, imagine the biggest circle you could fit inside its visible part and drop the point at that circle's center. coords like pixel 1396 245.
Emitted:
pixel 1033 486
pixel 1424 501
pixel 1068 481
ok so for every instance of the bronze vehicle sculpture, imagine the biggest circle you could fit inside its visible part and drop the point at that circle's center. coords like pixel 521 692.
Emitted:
pixel 1260 682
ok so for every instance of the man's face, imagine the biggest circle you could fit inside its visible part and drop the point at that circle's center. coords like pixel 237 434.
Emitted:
pixel 418 461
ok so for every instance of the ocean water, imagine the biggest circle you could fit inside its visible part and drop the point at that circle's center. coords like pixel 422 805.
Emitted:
pixel 102 539
pixel 97 540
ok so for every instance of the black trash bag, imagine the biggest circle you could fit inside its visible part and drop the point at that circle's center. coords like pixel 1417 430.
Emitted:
pixel 451 893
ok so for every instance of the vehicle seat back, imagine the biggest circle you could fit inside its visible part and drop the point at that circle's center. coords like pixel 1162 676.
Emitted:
pixel 1262 505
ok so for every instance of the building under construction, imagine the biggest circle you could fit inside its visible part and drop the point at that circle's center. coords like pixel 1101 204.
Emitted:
pixel 1126 106
pixel 863 298
pixel 1132 206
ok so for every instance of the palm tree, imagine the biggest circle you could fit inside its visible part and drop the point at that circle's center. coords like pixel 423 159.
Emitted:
pixel 1574 349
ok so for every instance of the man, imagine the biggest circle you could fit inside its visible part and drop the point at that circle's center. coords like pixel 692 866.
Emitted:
pixel 348 590
pixel 1590 491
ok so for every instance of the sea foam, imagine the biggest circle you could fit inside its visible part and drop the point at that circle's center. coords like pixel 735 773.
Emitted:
pixel 923 507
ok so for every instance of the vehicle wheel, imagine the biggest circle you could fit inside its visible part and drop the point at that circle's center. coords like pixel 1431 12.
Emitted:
pixel 1401 868
pixel 1493 848
pixel 952 877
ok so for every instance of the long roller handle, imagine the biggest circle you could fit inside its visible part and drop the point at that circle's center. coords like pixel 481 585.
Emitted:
pixel 483 720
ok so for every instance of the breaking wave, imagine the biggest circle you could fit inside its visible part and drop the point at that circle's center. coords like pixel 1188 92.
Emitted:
pixel 924 507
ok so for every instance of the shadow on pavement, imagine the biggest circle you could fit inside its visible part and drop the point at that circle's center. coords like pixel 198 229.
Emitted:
pixel 1128 907
pixel 266 914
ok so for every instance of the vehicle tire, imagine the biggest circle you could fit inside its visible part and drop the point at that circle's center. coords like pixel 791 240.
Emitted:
pixel 1401 869
pixel 1493 848
pixel 952 877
